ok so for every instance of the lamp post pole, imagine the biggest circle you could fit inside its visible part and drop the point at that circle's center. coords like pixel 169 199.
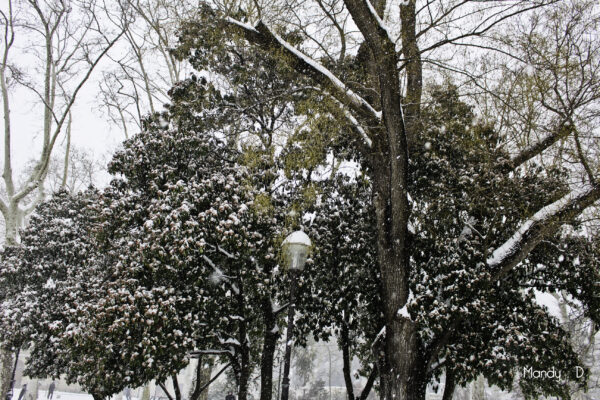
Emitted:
pixel 295 248
pixel 285 387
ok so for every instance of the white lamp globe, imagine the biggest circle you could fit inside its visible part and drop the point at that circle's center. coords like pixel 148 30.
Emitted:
pixel 296 247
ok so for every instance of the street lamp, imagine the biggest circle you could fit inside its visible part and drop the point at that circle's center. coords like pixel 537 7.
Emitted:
pixel 295 250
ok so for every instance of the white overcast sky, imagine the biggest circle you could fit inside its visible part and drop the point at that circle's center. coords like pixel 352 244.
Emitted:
pixel 90 129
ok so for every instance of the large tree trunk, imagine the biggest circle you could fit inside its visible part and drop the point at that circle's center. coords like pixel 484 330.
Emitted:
pixel 405 364
pixel 388 161
pixel 400 372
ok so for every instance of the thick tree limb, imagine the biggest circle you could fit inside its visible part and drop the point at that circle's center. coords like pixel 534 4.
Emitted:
pixel 582 158
pixel 537 148
pixel 370 24
pixel 543 222
pixel 262 36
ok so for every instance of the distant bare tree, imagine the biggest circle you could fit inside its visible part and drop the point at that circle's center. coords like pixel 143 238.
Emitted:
pixel 68 40
pixel 140 80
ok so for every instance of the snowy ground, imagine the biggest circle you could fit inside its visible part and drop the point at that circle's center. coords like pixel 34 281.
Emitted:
pixel 42 394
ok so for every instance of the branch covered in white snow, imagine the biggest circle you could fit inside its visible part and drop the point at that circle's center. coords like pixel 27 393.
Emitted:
pixel 538 147
pixel 263 36
pixel 543 222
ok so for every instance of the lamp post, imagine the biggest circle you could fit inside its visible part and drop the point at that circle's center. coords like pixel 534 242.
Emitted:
pixel 295 248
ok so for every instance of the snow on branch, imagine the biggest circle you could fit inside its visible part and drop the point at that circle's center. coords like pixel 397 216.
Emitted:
pixel 353 97
pixel 241 24
pixel 358 128
pixel 538 147
pixel 371 25
pixel 532 230
pixel 353 121
pixel 380 22
pixel 262 35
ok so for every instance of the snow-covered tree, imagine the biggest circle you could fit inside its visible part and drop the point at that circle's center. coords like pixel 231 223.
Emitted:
pixel 47 281
pixel 469 323
pixel 187 238
pixel 491 209
pixel 183 218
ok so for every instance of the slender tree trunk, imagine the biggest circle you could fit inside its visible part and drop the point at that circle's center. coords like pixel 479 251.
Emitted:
pixel 279 381
pixel 202 378
pixel 65 175
pixel 346 359
pixel 244 368
pixel 244 374
pixel 271 335
pixel 205 372
pixel 379 354
pixel 10 217
pixel 369 386
pixel 176 388
pixel 449 386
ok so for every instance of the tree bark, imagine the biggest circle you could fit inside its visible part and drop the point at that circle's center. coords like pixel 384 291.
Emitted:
pixel 202 378
pixel 449 386
pixel 176 387
pixel 6 358
pixel 244 367
pixel 11 220
pixel 389 172
pixel 271 335
pixel 369 386
pixel 244 373
pixel 345 344
pixel 414 69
